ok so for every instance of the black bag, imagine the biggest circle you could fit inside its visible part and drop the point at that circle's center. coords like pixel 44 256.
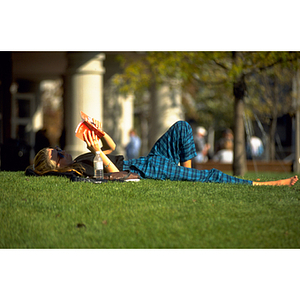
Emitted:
pixel 86 160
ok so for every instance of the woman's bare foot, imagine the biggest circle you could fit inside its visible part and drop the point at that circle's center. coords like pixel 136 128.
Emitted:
pixel 289 181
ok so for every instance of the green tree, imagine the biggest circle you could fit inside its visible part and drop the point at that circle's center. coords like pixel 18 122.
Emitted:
pixel 225 72
pixel 270 97
pixel 242 66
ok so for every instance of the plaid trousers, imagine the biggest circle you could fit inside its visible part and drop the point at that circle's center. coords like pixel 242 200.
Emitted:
pixel 174 146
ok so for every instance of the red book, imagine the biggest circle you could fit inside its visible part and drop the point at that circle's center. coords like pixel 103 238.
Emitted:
pixel 87 124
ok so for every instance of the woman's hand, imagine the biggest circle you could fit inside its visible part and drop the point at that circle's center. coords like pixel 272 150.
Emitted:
pixel 98 124
pixel 92 141
pixel 107 144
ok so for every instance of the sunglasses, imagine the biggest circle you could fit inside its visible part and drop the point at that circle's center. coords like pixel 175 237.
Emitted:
pixel 60 155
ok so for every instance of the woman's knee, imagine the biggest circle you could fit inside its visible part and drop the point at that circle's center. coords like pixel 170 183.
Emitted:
pixel 183 125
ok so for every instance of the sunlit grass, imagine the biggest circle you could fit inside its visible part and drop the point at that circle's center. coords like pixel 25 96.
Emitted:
pixel 53 212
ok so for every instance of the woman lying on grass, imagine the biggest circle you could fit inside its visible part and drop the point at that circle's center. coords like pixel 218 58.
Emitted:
pixel 175 147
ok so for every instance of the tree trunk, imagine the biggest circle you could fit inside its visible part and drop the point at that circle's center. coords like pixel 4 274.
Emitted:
pixel 274 121
pixel 144 133
pixel 152 117
pixel 272 137
pixel 239 161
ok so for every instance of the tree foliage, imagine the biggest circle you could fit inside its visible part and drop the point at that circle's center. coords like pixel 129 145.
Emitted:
pixel 216 81
pixel 270 96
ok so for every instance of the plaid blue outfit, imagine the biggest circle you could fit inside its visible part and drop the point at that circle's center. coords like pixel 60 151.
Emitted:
pixel 175 146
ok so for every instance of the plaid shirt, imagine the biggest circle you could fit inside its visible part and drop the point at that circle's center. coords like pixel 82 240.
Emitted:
pixel 175 146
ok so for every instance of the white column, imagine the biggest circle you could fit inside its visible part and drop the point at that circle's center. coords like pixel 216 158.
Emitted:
pixel 118 118
pixel 126 120
pixel 84 92
pixel 166 109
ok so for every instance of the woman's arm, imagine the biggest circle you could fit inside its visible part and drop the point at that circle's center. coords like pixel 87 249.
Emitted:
pixel 108 165
pixel 92 143
pixel 107 142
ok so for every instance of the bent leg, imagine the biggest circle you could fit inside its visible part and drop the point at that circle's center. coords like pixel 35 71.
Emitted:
pixel 177 144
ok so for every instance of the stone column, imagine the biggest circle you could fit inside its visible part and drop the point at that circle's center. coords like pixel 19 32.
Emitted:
pixel 166 109
pixel 126 121
pixel 118 118
pixel 84 92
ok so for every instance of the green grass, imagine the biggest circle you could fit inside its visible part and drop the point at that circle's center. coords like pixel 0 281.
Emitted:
pixel 52 212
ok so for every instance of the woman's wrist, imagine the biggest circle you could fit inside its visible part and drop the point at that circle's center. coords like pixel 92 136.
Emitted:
pixel 98 150
pixel 95 149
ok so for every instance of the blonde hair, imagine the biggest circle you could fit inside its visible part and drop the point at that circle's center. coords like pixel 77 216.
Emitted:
pixel 42 164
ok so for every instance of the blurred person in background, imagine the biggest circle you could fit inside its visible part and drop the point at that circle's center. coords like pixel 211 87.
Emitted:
pixel 201 146
pixel 255 148
pixel 134 145
pixel 227 135
pixel 225 155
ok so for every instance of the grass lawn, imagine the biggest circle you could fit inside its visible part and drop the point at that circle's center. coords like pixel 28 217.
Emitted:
pixel 53 212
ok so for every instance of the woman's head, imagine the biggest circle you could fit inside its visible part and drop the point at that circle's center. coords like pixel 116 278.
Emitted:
pixel 60 157
pixel 54 159
pixel 42 162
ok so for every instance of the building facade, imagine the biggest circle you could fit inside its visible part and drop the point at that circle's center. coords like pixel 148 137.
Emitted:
pixel 87 86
